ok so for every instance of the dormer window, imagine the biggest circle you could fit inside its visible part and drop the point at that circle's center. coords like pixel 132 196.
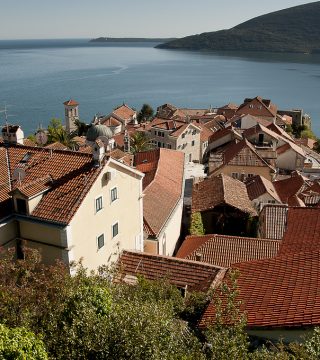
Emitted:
pixel 21 206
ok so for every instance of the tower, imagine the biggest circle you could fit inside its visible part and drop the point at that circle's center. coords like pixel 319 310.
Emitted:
pixel 71 113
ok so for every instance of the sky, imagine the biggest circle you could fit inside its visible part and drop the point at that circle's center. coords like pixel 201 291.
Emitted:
pixel 49 19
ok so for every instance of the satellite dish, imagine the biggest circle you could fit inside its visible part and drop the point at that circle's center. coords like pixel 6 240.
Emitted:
pixel 19 174
pixel 41 137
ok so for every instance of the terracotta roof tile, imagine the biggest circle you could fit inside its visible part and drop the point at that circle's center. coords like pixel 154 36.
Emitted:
pixel 303 231
pixel 72 175
pixel 278 292
pixel 179 272
pixel 221 189
pixel 56 146
pixel 124 112
pixel 71 102
pixel 259 185
pixel 224 250
pixel 290 187
pixel 164 189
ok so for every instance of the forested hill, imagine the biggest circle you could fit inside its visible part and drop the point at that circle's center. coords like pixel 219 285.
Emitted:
pixel 296 29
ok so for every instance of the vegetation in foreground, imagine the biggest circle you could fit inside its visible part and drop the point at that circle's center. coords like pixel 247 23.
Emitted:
pixel 47 314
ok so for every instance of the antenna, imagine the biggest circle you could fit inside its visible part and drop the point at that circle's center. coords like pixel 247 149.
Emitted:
pixel 6 115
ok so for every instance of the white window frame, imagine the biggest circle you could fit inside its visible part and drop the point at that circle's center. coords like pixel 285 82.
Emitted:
pixel 112 226
pixel 100 247
pixel 95 203
pixel 117 194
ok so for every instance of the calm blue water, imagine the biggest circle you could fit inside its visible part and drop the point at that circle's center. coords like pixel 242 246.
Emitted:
pixel 37 76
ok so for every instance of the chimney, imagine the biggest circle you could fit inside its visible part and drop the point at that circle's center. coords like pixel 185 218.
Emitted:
pixel 198 256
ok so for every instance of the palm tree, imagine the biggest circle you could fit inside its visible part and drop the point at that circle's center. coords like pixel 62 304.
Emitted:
pixel 139 142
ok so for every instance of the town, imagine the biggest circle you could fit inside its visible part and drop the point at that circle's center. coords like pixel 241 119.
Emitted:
pixel 190 195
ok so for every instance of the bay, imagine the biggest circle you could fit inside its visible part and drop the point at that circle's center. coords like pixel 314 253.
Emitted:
pixel 37 76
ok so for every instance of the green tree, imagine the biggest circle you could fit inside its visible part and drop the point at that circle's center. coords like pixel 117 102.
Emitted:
pixel 139 142
pixel 226 337
pixel 145 113
pixel 19 343
pixel 196 226
pixel 56 132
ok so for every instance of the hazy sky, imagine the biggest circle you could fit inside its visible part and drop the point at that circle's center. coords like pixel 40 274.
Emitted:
pixel 35 19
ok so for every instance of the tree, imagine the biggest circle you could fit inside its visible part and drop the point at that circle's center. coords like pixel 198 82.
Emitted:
pixel 56 132
pixel 19 343
pixel 196 226
pixel 139 142
pixel 145 114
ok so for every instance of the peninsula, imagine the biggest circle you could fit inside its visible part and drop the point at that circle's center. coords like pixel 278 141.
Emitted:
pixel 111 39
pixel 296 29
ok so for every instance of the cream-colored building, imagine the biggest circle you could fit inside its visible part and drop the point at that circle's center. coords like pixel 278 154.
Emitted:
pixel 176 135
pixel 70 205
pixel 163 188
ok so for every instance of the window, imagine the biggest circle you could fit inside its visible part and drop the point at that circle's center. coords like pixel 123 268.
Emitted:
pixel 98 203
pixel 114 194
pixel 115 230
pixel 100 241
pixel 21 206
pixel 169 146
pixel 192 143
pixel 194 132
pixel 183 136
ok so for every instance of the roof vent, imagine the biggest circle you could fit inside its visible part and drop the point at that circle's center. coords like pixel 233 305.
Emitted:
pixel 198 256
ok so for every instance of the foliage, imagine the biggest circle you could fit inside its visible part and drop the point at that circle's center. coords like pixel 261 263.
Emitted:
pixel 139 142
pixel 88 316
pixel 299 33
pixel 82 128
pixel 145 114
pixel 19 343
pixel 56 132
pixel 196 226
pixel 226 337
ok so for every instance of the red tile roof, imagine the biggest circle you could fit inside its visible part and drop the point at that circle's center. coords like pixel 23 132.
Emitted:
pixel 163 190
pixel 72 175
pixel 179 272
pixel 218 190
pixel 57 146
pixel 259 185
pixel 288 188
pixel 224 250
pixel 303 231
pixel 124 112
pixel 260 107
pixel 278 292
pixel 71 102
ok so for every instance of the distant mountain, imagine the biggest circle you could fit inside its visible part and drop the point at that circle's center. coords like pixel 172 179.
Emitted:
pixel 105 39
pixel 296 29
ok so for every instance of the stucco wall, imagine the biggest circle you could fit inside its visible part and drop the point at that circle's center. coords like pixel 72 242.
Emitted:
pixel 88 224
pixel 8 231
pixel 170 233
pixel 288 160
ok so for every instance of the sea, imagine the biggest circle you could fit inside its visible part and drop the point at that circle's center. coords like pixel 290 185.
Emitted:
pixel 37 76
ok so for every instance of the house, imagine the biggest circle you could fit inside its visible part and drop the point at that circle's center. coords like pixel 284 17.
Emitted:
pixel 224 205
pixel 163 189
pixel 185 274
pixel 177 135
pixel 222 137
pixel 69 205
pixel 239 160
pixel 246 121
pixel 228 110
pixel 279 296
pixel 258 107
pixel 225 250
pixel 12 134
pixel 261 192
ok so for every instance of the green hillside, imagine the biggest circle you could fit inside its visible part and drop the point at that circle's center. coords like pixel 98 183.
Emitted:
pixel 295 29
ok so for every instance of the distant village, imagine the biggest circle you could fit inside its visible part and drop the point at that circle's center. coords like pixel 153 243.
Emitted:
pixel 186 194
